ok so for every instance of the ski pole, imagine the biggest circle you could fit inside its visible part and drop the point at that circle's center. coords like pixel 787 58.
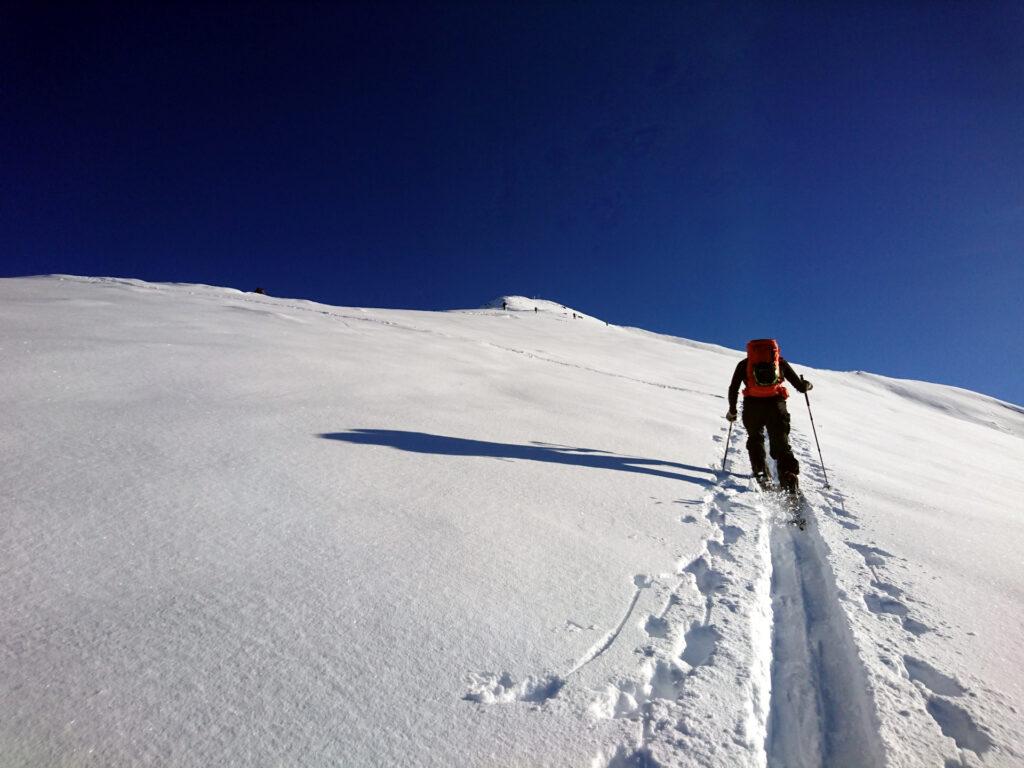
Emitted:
pixel 815 430
pixel 726 457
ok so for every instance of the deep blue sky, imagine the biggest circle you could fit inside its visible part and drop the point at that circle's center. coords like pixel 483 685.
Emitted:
pixel 849 179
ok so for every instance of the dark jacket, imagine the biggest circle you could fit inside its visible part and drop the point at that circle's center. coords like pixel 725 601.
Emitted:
pixel 740 376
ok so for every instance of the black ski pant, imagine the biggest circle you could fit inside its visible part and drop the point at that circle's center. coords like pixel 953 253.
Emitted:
pixel 759 414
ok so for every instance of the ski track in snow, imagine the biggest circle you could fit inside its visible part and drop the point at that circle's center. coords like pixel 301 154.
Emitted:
pixel 642 582
pixel 888 603
pixel 821 710
pixel 759 611
pixel 771 625
pixel 611 374
pixel 756 612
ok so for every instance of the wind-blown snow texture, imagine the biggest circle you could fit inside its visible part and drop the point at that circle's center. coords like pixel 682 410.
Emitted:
pixel 243 530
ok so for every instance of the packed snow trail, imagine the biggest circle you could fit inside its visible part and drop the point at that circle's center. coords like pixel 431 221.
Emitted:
pixel 821 713
pixel 711 628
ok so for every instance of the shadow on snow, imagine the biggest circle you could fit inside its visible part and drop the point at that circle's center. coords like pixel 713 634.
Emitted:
pixel 421 442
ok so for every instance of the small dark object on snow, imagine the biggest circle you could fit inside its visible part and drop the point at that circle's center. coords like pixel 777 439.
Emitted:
pixel 260 291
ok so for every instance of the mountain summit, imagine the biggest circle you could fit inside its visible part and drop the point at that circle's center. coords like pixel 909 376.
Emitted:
pixel 523 304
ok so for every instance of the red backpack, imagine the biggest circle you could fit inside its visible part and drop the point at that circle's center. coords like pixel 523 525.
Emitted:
pixel 764 369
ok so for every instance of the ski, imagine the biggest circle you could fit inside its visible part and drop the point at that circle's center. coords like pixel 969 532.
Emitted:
pixel 796 505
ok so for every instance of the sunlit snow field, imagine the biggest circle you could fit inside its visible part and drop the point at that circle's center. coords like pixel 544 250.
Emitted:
pixel 244 530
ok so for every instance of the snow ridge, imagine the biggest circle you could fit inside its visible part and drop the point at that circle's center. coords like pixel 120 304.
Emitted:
pixel 513 303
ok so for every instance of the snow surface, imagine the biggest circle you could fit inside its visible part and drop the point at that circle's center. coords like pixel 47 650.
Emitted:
pixel 244 530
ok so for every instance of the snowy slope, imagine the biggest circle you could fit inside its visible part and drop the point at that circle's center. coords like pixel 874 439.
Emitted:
pixel 243 530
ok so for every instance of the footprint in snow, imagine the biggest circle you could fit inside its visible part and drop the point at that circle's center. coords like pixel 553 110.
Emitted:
pixel 708 580
pixel 954 721
pixel 873 556
pixel 715 549
pixel 701 642
pixel 880 604
pixel 957 724
pixel 731 534
pixel 922 672
pixel 619 701
pixel 889 589
pixel 666 681
pixel 494 688
pixel 656 626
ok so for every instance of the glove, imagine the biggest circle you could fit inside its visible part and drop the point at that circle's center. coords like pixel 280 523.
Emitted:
pixel 730 416
pixel 808 386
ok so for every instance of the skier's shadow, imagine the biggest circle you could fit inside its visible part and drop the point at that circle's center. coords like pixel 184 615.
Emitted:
pixel 422 442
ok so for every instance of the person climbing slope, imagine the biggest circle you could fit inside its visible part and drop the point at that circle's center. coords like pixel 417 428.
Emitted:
pixel 764 407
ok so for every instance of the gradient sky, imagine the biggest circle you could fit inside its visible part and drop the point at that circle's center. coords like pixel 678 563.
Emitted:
pixel 846 178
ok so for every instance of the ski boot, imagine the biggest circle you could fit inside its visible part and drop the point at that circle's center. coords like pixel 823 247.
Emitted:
pixel 764 480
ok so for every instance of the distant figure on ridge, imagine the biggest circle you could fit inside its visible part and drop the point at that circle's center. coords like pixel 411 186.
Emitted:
pixel 504 304
pixel 764 406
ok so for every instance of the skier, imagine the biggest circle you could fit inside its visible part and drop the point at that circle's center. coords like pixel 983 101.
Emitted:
pixel 764 406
